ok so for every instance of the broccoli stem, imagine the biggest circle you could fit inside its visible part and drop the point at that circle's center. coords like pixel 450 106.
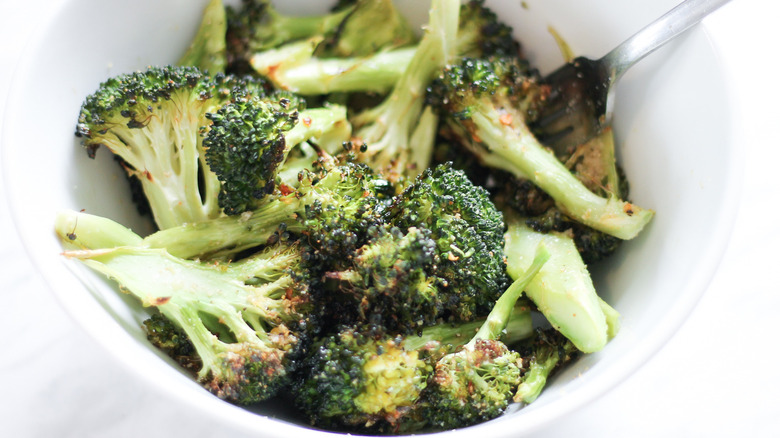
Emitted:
pixel 563 290
pixel 229 235
pixel 86 231
pixel 499 317
pixel 208 50
pixel 293 68
pixel 513 148
pixel 386 128
pixel 519 327
pixel 284 28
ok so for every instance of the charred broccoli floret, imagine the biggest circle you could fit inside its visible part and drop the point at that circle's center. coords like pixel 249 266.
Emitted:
pixel 366 378
pixel 487 103
pixel 468 232
pixel 477 382
pixel 247 321
pixel 153 121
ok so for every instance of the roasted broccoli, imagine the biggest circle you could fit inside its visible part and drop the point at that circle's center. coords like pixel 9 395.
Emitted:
pixel 468 232
pixel 486 103
pixel 333 207
pixel 563 291
pixel 301 67
pixel 247 321
pixel 250 138
pixel 477 382
pixel 542 355
pixel 153 121
pixel 366 378
pixel 208 51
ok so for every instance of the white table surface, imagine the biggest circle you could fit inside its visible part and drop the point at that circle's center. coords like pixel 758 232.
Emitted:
pixel 717 377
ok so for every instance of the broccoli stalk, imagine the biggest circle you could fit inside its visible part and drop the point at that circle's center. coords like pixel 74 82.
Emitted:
pixel 487 103
pixel 348 195
pixel 300 67
pixel 385 130
pixel 292 67
pixel 546 354
pixel 364 377
pixel 207 51
pixel 563 291
pixel 477 382
pixel 246 320
pixel 152 120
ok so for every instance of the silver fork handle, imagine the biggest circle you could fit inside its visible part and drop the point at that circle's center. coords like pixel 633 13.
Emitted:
pixel 658 33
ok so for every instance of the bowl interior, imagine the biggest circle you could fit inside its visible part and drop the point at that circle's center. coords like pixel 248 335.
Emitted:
pixel 675 139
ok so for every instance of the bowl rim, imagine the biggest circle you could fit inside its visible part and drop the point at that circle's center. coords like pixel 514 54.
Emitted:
pixel 620 369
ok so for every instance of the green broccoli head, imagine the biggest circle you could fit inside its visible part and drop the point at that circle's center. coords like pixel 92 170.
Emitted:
pixel 473 385
pixel 250 139
pixel 153 120
pixel 360 378
pixel 468 232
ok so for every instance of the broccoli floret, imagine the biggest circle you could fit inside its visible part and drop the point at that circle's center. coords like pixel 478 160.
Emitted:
pixel 542 356
pixel 247 321
pixel 153 120
pixel 251 137
pixel 208 50
pixel 487 103
pixel 482 35
pixel 468 232
pixel 332 208
pixel 366 378
pixel 477 382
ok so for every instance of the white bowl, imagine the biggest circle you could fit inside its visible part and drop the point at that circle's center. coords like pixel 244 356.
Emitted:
pixel 676 139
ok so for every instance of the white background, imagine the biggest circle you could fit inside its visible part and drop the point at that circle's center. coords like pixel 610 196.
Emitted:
pixel 717 377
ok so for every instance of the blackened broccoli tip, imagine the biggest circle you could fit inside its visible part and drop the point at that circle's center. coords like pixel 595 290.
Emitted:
pixel 246 323
pixel 468 231
pixel 153 120
pixel 487 103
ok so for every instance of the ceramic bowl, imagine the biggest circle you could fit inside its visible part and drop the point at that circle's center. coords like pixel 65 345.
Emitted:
pixel 675 135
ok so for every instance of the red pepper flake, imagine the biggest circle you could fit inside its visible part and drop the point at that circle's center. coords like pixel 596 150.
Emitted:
pixel 285 189
pixel 306 121
pixel 628 209
pixel 505 119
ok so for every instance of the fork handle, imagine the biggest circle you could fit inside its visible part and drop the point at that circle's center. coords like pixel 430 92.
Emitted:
pixel 658 33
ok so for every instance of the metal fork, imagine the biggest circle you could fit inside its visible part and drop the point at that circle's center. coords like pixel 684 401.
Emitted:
pixel 581 96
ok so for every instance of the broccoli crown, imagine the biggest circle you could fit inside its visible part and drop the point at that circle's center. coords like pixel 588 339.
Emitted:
pixel 392 281
pixel 593 245
pixel 471 386
pixel 360 377
pixel 482 35
pixel 468 232
pixel 543 355
pixel 247 321
pixel 152 120
pixel 245 146
pixel 507 81
pixel 171 340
